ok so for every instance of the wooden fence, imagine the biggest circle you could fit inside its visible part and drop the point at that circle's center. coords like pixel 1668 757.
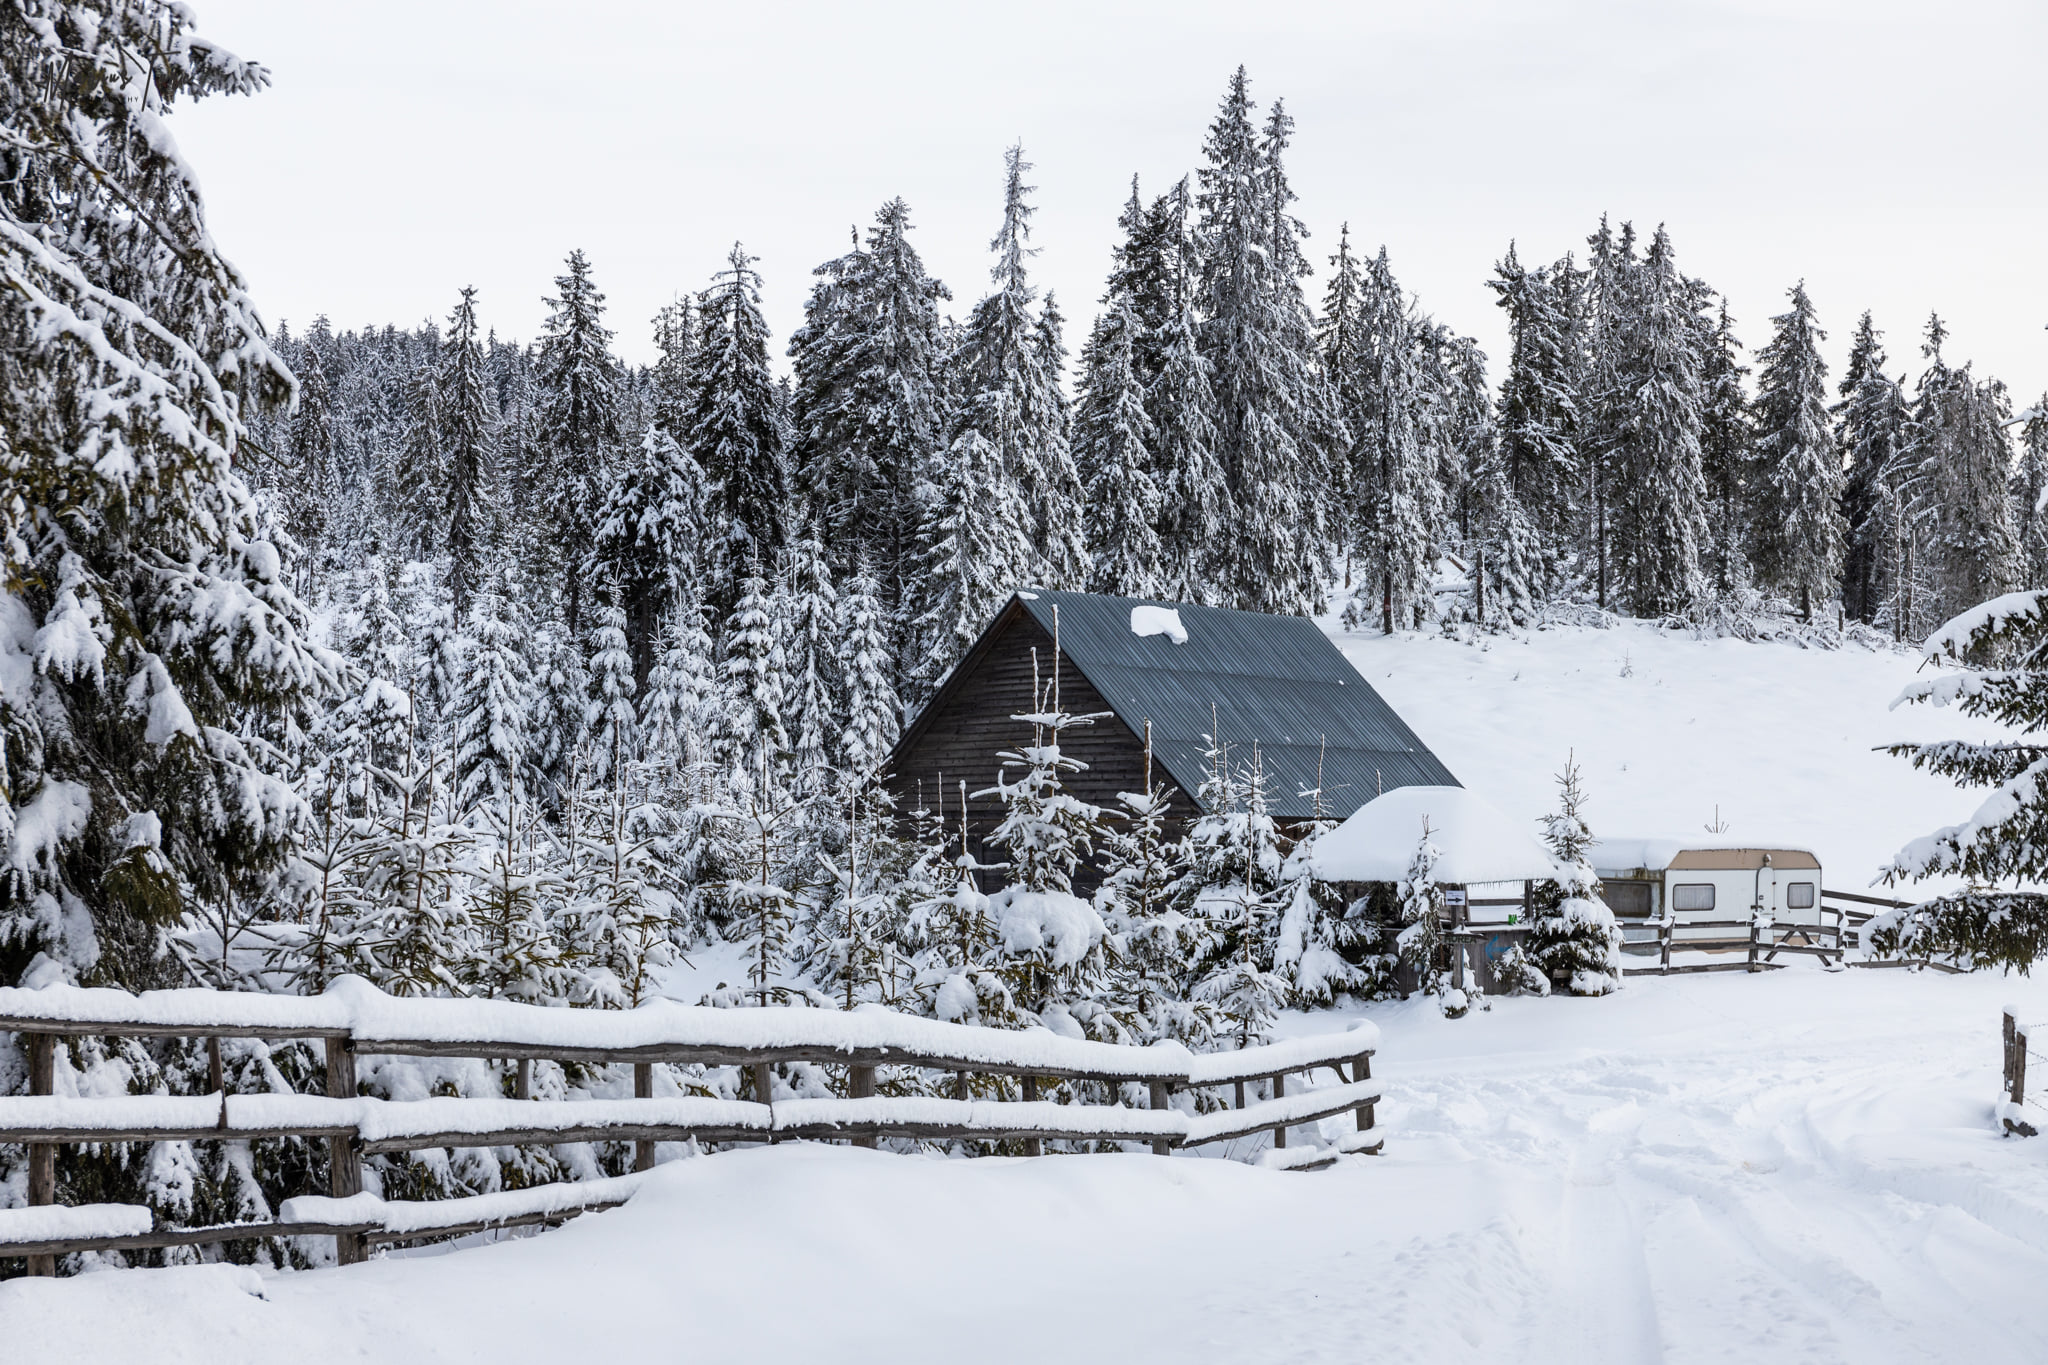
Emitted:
pixel 354 1019
pixel 2018 1113
pixel 1754 942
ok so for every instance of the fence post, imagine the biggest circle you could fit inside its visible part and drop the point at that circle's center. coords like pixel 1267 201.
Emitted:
pixel 42 1156
pixel 1161 1099
pixel 1664 942
pixel 2019 1069
pixel 522 1080
pixel 1280 1093
pixel 643 1089
pixel 764 1090
pixel 1361 1070
pixel 860 1085
pixel 2005 1054
pixel 1033 1146
pixel 344 1168
pixel 1755 929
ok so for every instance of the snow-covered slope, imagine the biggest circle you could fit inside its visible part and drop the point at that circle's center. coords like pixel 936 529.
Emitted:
pixel 1666 727
pixel 1798 1166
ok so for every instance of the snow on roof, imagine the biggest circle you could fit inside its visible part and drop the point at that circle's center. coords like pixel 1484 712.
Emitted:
pixel 1147 620
pixel 1657 851
pixel 1477 842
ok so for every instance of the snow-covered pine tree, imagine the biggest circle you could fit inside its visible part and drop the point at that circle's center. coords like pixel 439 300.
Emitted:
pixel 1111 445
pixel 152 646
pixel 1659 520
pixel 1180 404
pixel 561 707
pixel 419 474
pixel 611 720
pixel 973 551
pixel 619 899
pixel 873 715
pixel 1509 566
pixel 1991 661
pixel 492 708
pixel 869 411
pixel 1005 369
pixel 1320 931
pixel 738 429
pixel 675 337
pixel 512 952
pixel 469 421
pixel 1392 479
pixel 1421 943
pixel 1049 941
pixel 1230 891
pixel 1797 531
pixel 1725 450
pixel 1538 420
pixel 749 739
pixel 1870 435
pixel 673 710
pixel 1267 386
pixel 814 708
pixel 309 474
pixel 1573 938
pixel 1957 462
pixel 1155 949
pixel 653 537
pixel 576 426
pixel 2030 496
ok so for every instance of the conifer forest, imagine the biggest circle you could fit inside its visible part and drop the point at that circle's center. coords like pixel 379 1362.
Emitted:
pixel 492 667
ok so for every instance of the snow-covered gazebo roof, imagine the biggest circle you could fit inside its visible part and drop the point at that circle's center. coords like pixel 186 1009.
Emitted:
pixel 1477 841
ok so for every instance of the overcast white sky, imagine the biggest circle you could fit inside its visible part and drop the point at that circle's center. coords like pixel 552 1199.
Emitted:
pixel 1892 154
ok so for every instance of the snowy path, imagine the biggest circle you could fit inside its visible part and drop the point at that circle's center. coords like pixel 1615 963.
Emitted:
pixel 1798 1166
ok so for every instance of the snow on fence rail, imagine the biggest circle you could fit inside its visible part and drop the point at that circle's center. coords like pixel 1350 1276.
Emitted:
pixel 354 1018
pixel 2014 1103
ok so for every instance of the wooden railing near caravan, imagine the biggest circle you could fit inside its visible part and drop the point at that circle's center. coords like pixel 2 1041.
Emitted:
pixel 354 1019
pixel 1760 940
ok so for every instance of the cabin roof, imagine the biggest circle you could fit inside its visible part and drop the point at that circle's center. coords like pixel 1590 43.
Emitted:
pixel 1274 681
pixel 1475 841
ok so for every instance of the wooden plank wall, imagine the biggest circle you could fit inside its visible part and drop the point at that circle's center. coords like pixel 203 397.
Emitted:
pixel 962 739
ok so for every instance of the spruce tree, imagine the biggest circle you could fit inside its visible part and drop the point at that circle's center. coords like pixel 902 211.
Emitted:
pixel 469 422
pixel 492 707
pixel 1798 518
pixel 2030 495
pixel 576 426
pixel 1111 442
pixel 420 473
pixel 309 473
pixel 611 719
pixel 1180 405
pixel 1870 435
pixel 808 607
pixel 1542 467
pixel 973 550
pixel 737 427
pixel 653 538
pixel 153 648
pixel 749 739
pixel 873 713
pixel 1573 938
pixel 1957 462
pixel 869 412
pixel 1726 452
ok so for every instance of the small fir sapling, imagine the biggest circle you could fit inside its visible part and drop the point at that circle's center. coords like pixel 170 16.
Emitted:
pixel 1232 887
pixel 1422 944
pixel 1154 948
pixel 1573 940
pixel 1318 933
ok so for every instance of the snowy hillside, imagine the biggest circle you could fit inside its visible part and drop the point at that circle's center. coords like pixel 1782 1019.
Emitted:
pixel 1666 727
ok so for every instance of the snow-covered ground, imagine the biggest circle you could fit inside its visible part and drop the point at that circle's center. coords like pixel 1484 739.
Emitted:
pixel 1797 1166
pixel 1667 727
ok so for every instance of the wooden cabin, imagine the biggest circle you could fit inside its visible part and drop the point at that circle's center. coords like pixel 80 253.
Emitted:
pixel 1272 681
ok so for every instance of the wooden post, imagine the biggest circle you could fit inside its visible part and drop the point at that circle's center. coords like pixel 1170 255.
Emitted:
pixel 1162 1098
pixel 42 1156
pixel 860 1085
pixel 2019 1069
pixel 1756 924
pixel 1240 1094
pixel 522 1079
pixel 344 1167
pixel 1361 1070
pixel 2005 1055
pixel 1280 1093
pixel 1033 1146
pixel 959 1085
pixel 643 1089
pixel 1664 941
pixel 764 1088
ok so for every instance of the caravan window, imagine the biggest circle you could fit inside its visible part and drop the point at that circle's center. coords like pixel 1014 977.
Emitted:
pixel 1799 896
pixel 1693 896
pixel 1627 898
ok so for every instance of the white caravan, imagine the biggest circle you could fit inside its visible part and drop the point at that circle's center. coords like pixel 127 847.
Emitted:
pixel 1707 881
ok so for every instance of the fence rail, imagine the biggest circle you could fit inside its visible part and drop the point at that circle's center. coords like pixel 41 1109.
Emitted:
pixel 1760 941
pixel 353 1019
